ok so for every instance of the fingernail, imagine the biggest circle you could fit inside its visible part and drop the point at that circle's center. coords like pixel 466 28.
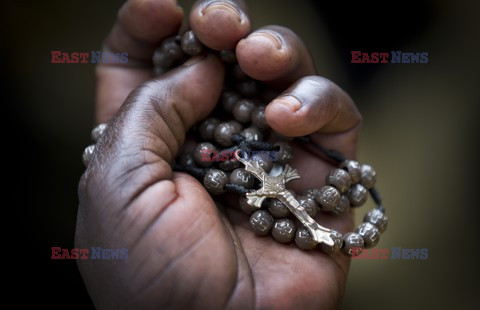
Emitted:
pixel 271 37
pixel 222 6
pixel 194 60
pixel 290 102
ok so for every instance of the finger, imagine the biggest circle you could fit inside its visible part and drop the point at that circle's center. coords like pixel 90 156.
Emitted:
pixel 140 27
pixel 220 24
pixel 274 54
pixel 315 105
pixel 143 138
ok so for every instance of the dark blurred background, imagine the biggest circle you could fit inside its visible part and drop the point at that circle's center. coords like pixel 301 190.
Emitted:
pixel 420 132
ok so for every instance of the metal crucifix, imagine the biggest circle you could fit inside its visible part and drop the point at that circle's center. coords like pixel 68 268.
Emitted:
pixel 274 187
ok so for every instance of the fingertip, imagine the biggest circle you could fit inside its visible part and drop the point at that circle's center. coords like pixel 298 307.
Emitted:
pixel 150 20
pixel 219 24
pixel 264 55
pixel 286 116
pixel 312 104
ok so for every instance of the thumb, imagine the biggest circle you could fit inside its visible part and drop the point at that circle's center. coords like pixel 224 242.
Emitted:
pixel 316 106
pixel 146 133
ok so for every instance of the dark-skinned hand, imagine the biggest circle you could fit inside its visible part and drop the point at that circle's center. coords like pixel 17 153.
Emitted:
pixel 184 250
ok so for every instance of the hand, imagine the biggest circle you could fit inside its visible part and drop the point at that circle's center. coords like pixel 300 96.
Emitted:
pixel 184 251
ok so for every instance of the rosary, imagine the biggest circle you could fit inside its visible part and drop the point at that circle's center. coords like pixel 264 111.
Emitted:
pixel 245 156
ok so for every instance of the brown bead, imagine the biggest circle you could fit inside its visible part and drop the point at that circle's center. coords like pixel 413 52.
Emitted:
pixel 228 56
pixel 202 154
pixel 207 127
pixel 304 240
pixel 369 233
pixel 158 70
pixel 353 169
pixel 277 208
pixel 229 98
pixel 311 192
pixel 263 160
pixel 186 159
pixel 340 179
pixel 283 230
pixel 368 177
pixel 328 197
pixel 308 204
pixel 245 207
pixel 190 44
pixel 243 109
pixel 353 244
pixel 285 152
pixel 214 181
pixel 241 177
pixel 229 165
pixel 357 194
pixel 252 133
pixel 223 134
pixel 168 54
pixel 258 118
pixel 261 222
pixel 247 88
pixel 236 124
pixel 342 206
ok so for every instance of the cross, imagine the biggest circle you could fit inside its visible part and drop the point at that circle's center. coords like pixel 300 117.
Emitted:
pixel 274 187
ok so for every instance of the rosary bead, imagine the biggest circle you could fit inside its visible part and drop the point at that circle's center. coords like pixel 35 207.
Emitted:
pixel 312 192
pixel 252 133
pixel 308 204
pixel 337 243
pixel 247 88
pixel 328 197
pixel 369 233
pixel 158 70
pixel 214 181
pixel 168 53
pixel 283 230
pixel 304 240
pixel 87 154
pixel 357 194
pixel 258 118
pixel 368 178
pixel 241 177
pixel 245 207
pixel 202 154
pixel 223 134
pixel 263 161
pixel 228 56
pixel 340 179
pixel 237 125
pixel 190 44
pixel 342 206
pixel 352 242
pixel 207 127
pixel 285 153
pixel 186 159
pixel 377 218
pixel 229 165
pixel 229 98
pixel 261 222
pixel 98 131
pixel 277 208
pixel 353 169
pixel 243 109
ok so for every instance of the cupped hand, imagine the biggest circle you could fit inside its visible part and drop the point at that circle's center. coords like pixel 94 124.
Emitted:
pixel 184 250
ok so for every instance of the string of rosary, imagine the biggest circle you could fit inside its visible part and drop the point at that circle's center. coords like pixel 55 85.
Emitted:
pixel 245 156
